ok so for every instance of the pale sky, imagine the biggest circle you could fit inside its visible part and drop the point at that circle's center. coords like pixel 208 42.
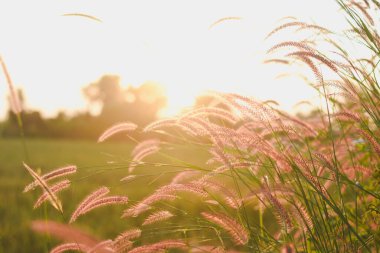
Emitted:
pixel 51 57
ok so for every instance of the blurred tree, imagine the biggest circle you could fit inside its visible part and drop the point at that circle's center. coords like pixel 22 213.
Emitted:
pixel 33 124
pixel 148 100
pixel 139 105
pixel 106 92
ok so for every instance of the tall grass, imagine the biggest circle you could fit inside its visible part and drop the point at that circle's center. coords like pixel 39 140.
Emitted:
pixel 271 182
pixel 15 104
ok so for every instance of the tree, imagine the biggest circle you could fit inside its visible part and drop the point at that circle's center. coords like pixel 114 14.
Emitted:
pixel 139 105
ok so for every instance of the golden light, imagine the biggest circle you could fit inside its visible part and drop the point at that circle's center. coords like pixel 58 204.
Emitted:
pixel 180 45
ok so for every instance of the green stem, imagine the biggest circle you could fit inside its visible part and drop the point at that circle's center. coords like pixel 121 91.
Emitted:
pixel 22 135
pixel 261 219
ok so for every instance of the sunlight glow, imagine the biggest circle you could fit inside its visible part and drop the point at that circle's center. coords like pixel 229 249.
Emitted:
pixel 176 44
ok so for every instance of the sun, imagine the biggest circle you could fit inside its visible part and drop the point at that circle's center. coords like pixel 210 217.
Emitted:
pixel 62 47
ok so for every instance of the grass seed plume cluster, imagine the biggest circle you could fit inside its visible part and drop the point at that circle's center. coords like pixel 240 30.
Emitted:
pixel 269 181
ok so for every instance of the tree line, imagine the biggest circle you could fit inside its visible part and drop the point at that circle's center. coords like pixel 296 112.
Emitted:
pixel 113 102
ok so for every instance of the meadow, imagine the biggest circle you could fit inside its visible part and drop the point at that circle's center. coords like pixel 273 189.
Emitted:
pixel 235 175
pixel 16 215
pixel 98 164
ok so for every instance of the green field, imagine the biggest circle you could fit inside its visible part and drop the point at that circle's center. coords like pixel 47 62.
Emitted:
pixel 98 164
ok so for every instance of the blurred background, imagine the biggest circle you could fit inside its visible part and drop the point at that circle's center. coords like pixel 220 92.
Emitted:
pixel 185 47
pixel 81 66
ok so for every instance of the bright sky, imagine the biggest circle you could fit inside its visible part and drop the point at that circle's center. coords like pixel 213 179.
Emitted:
pixel 51 57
